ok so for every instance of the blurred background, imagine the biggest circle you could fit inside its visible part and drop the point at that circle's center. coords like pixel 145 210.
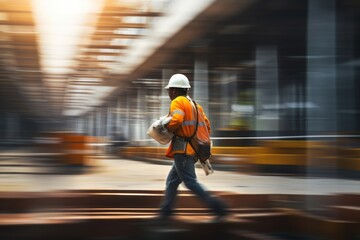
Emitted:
pixel 82 80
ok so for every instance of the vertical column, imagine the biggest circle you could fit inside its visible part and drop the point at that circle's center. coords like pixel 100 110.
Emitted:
pixel 164 97
pixel 94 126
pixel 9 126
pixel 225 107
pixel 228 97
pixel 16 126
pixel 321 68
pixel 109 121
pixel 80 124
pixel 201 82
pixel 321 85
pixel 75 124
pixel 141 110
pixel 118 117
pixel 91 124
pixel 288 121
pixel 137 122
pixel 2 127
pixel 12 126
pixel 267 95
pixel 86 124
pixel 346 83
pixel 104 120
pixel 132 121
pixel 83 124
pixel 98 122
pixel 127 117
pixel 70 124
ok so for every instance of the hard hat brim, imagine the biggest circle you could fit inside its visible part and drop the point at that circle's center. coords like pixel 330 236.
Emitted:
pixel 167 87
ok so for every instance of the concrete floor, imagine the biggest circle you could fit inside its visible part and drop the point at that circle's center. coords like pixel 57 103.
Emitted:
pixel 24 170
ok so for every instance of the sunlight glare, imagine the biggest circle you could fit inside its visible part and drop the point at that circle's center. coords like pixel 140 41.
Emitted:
pixel 61 25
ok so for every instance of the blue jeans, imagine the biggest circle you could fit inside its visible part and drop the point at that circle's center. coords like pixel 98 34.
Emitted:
pixel 183 170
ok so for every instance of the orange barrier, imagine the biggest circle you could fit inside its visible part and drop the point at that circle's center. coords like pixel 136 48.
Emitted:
pixel 75 148
pixel 350 159
pixel 288 153
pixel 71 148
pixel 143 152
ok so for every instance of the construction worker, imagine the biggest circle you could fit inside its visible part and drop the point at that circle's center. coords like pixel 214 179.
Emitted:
pixel 183 125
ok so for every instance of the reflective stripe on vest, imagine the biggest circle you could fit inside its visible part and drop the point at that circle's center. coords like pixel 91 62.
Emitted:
pixel 178 112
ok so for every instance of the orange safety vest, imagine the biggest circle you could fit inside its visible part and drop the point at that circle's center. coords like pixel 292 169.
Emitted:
pixel 183 124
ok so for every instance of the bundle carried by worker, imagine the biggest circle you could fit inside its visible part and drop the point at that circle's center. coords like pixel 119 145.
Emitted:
pixel 159 132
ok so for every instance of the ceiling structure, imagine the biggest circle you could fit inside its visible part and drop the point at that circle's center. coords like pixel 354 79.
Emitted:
pixel 20 71
pixel 122 41
pixel 118 26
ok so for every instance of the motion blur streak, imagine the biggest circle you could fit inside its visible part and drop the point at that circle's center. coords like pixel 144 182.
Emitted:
pixel 82 80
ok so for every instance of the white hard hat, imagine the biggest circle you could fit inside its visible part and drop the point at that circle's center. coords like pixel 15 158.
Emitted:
pixel 178 81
